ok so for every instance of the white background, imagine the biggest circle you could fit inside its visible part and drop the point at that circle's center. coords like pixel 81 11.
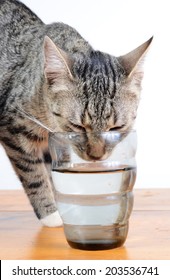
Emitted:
pixel 117 27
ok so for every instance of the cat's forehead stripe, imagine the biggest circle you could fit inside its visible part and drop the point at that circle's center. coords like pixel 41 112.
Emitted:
pixel 98 73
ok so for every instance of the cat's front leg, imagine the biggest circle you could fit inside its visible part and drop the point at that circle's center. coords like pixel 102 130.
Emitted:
pixel 38 187
pixel 32 172
pixel 48 164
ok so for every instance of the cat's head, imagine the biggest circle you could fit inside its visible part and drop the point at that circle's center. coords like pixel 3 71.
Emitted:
pixel 93 92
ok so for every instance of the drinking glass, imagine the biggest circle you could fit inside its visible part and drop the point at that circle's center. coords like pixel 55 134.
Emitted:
pixel 94 175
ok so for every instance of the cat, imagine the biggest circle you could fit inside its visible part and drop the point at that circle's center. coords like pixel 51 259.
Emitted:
pixel 52 80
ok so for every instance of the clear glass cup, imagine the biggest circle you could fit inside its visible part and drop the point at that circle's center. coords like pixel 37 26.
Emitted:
pixel 94 175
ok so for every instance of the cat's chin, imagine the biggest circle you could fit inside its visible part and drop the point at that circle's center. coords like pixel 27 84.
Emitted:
pixel 52 220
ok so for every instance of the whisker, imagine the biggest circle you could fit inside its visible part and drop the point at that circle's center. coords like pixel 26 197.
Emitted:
pixel 32 118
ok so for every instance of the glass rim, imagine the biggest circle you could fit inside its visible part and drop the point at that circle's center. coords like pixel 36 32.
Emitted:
pixel 110 132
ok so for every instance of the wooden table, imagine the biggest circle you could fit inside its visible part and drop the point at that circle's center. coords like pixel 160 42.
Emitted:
pixel 23 237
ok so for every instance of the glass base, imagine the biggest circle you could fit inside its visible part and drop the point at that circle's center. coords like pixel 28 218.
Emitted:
pixel 95 238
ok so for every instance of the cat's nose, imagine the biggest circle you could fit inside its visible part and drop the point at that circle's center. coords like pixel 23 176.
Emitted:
pixel 95 152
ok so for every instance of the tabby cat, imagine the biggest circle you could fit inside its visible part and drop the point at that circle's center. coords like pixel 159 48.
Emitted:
pixel 52 80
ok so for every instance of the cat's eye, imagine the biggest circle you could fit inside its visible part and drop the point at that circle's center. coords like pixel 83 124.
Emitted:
pixel 117 127
pixel 77 127
pixel 56 114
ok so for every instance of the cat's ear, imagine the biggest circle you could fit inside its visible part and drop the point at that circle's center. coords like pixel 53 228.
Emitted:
pixel 57 62
pixel 132 62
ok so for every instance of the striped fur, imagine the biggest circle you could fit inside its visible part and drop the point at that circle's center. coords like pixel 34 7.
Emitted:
pixel 57 84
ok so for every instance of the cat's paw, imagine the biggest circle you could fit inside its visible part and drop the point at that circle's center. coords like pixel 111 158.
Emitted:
pixel 53 220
